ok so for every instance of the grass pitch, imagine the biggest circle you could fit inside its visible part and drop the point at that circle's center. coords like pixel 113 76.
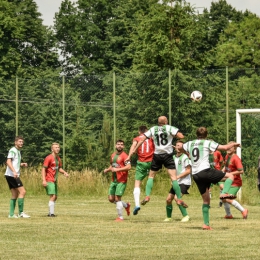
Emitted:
pixel 85 229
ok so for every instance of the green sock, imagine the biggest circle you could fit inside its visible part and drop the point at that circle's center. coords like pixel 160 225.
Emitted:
pixel 205 213
pixel 176 188
pixel 149 186
pixel 183 211
pixel 227 184
pixel 169 211
pixel 12 206
pixel 20 204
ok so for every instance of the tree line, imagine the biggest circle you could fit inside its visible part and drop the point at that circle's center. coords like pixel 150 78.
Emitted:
pixel 140 41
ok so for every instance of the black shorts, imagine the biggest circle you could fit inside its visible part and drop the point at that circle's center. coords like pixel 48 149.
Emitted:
pixel 204 178
pixel 13 183
pixel 165 159
pixel 184 189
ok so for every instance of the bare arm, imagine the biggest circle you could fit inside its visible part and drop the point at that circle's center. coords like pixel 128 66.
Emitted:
pixel 225 147
pixel 132 148
pixel 125 168
pixel 44 183
pixel 109 169
pixel 10 165
pixel 143 138
pixel 185 173
pixel 63 172
pixel 179 135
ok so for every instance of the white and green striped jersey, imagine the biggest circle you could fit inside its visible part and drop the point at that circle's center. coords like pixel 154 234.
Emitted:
pixel 199 151
pixel 162 136
pixel 181 162
pixel 15 155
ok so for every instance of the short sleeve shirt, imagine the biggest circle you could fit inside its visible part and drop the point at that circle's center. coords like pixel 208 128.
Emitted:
pixel 233 163
pixel 15 155
pixel 162 137
pixel 199 151
pixel 120 176
pixel 52 166
pixel 146 150
pixel 181 162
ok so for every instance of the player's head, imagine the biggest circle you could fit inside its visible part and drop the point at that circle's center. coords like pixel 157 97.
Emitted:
pixel 162 120
pixel 120 144
pixel 202 132
pixel 55 148
pixel 18 141
pixel 178 146
pixel 142 129
pixel 232 149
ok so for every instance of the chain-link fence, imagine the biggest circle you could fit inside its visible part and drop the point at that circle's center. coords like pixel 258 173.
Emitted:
pixel 86 114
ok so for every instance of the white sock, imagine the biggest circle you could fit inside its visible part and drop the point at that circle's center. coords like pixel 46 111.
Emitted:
pixel 237 205
pixel 119 208
pixel 227 208
pixel 137 193
pixel 51 207
pixel 124 204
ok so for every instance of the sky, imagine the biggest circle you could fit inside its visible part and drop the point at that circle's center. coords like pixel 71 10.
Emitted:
pixel 48 8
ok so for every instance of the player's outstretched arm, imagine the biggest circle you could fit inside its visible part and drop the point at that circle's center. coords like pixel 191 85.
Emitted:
pixel 225 147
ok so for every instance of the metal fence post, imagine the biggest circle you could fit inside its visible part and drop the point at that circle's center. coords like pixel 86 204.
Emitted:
pixel 170 98
pixel 227 105
pixel 16 106
pixel 114 105
pixel 63 122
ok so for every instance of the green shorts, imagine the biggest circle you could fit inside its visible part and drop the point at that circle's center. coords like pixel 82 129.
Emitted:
pixel 51 188
pixel 233 190
pixel 142 170
pixel 117 188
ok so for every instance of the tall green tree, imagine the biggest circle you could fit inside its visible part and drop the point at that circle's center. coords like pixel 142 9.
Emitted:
pixel 239 44
pixel 168 36
pixel 94 34
pixel 26 45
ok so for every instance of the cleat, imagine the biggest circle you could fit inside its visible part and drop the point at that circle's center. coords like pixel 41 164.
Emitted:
pixel 182 203
pixel 168 220
pixel 185 219
pixel 136 209
pixel 227 196
pixel 13 216
pixel 228 217
pixel 51 215
pixel 220 204
pixel 206 227
pixel 245 214
pixel 146 200
pixel 127 209
pixel 119 219
pixel 23 215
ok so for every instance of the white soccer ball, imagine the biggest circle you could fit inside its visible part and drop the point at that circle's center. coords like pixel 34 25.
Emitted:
pixel 196 96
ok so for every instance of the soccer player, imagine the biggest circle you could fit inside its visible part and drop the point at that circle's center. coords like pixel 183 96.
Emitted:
pixel 145 156
pixel 234 166
pixel 162 135
pixel 183 168
pixel 199 150
pixel 12 175
pixel 119 167
pixel 52 165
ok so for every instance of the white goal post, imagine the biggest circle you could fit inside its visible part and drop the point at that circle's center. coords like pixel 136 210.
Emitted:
pixel 239 133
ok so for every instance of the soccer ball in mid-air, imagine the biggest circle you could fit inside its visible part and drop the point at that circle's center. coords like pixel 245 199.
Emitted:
pixel 196 96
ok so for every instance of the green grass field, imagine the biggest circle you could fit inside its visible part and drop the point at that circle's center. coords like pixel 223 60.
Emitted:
pixel 85 229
